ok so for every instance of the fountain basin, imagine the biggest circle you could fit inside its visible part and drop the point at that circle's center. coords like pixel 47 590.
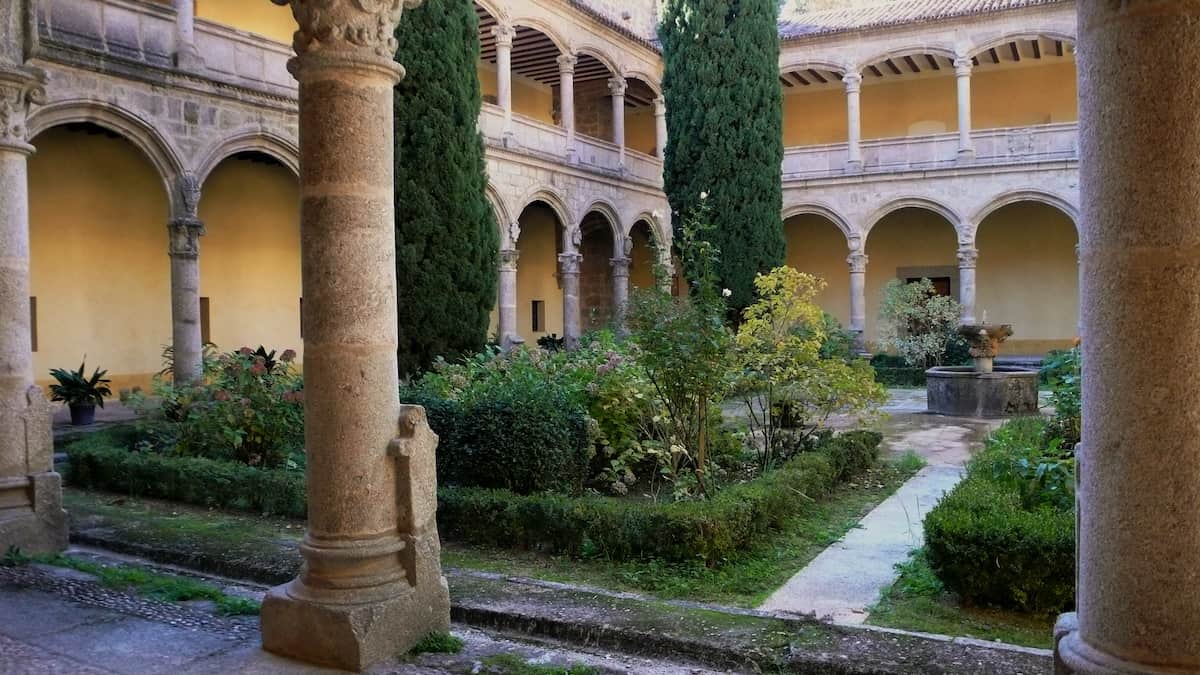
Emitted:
pixel 961 391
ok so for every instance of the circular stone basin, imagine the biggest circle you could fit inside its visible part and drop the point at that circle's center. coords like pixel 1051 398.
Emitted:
pixel 1007 391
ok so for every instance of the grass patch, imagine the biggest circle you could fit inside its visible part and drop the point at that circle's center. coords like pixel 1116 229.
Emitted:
pixel 438 643
pixel 511 664
pixel 743 580
pixel 918 601
pixel 165 587
pixel 910 462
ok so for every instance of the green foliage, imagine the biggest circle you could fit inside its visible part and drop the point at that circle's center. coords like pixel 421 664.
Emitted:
pixel 850 453
pixel 105 461
pixel 724 121
pixel 250 409
pixel 1019 457
pixel 446 236
pixel 75 387
pixel 1063 372
pixel 910 462
pixel 511 664
pixel 684 349
pixel 788 387
pixel 917 323
pixel 438 643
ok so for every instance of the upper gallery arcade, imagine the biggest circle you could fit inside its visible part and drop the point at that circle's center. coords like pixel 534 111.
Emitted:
pixel 923 139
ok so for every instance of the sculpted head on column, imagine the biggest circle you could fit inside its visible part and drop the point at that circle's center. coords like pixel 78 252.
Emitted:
pixel 20 89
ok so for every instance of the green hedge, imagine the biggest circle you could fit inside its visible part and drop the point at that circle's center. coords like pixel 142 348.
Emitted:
pixel 989 550
pixel 618 529
pixel 900 376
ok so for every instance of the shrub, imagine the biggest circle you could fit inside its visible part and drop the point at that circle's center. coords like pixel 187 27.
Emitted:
pixel 1063 372
pixel 918 323
pixel 989 549
pixel 852 452
pixel 1018 457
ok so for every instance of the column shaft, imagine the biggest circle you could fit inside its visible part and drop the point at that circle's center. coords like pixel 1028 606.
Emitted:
pixel 962 71
pixel 858 296
pixel 566 73
pixel 504 41
pixel 853 82
pixel 620 288
pixel 967 259
pixel 186 340
pixel 186 53
pixel 568 264
pixel 1138 594
pixel 617 86
pixel 660 127
pixel 508 297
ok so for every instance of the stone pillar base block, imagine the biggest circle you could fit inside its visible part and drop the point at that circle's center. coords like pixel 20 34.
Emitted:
pixel 351 636
pixel 1073 656
pixel 41 525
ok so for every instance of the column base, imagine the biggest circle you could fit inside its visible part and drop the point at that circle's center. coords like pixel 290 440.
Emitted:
pixel 189 58
pixel 854 166
pixel 37 523
pixel 1073 656
pixel 509 140
pixel 966 155
pixel 351 636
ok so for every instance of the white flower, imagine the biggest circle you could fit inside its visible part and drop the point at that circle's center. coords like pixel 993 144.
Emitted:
pixel 726 293
pixel 703 195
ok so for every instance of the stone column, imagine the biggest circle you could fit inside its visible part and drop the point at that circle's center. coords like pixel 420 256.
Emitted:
pixel 853 82
pixel 968 256
pixel 660 127
pixel 617 86
pixel 504 34
pixel 620 288
pixel 371 585
pixel 1138 594
pixel 508 296
pixel 566 74
pixel 186 54
pixel 184 232
pixel 858 297
pixel 568 270
pixel 31 514
pixel 962 70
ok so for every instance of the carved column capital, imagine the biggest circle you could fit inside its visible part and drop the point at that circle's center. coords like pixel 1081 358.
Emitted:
pixel 620 266
pixel 568 263
pixel 504 34
pixel 617 85
pixel 968 256
pixel 185 236
pixel 660 106
pixel 566 64
pixel 853 81
pixel 508 259
pixel 962 66
pixel 355 30
pixel 857 262
pixel 20 88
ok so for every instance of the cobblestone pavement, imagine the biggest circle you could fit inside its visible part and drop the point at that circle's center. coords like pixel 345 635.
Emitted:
pixel 55 620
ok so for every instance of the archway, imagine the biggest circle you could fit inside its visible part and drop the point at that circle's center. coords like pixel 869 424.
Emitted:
pixel 535 74
pixel 909 93
pixel 643 256
pixel 814 105
pixel 1024 80
pixel 1028 275
pixel 595 272
pixel 99 270
pixel 539 293
pixel 816 246
pixel 640 125
pixel 909 243
pixel 250 254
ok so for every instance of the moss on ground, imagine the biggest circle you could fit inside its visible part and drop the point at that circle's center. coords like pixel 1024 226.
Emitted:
pixel 918 601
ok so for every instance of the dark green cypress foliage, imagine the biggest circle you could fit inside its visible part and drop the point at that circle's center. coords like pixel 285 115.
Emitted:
pixel 725 129
pixel 446 237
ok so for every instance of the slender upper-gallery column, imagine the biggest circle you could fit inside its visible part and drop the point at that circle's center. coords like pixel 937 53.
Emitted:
pixel 186 53
pixel 371 584
pixel 566 75
pixel 858 296
pixel 508 296
pixel 660 127
pixel 568 271
pixel 184 232
pixel 962 71
pixel 617 86
pixel 853 82
pixel 620 283
pixel 504 34
pixel 1138 594
pixel 968 256
pixel 31 514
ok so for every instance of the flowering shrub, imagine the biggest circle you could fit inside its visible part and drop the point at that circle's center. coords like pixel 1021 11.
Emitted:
pixel 917 323
pixel 249 409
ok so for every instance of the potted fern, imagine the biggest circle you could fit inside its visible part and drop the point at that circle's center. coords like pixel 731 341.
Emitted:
pixel 81 393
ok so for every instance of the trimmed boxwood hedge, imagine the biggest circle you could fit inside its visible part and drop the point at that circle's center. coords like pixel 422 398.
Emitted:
pixel 618 529
pixel 989 550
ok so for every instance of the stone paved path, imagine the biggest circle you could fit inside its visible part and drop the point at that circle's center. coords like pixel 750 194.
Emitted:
pixel 846 579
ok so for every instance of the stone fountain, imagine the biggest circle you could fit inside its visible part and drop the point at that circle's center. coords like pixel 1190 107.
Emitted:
pixel 985 389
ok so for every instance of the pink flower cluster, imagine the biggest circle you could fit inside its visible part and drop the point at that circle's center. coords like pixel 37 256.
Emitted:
pixel 614 360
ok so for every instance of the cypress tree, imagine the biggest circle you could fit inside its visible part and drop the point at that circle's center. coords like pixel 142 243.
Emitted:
pixel 725 130
pixel 446 238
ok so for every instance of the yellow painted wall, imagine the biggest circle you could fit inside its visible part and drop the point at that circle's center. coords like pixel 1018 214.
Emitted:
pixel 639 130
pixel 537 270
pixel 892 109
pixel 250 256
pixel 99 267
pixel 264 18
pixel 816 246
pixel 641 268
pixel 814 118
pixel 1024 96
pixel 905 238
pixel 1028 276
pixel 529 97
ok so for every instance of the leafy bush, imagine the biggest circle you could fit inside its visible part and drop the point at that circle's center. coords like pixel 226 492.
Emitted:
pixel 851 453
pixel 989 549
pixel 521 435
pixel 1062 371
pixel 1018 457
pixel 250 409
pixel 918 323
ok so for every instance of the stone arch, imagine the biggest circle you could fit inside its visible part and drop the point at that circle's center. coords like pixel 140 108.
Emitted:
pixel 543 28
pixel 804 63
pixel 285 150
pixel 1027 195
pixel 828 213
pixel 551 199
pixel 1057 32
pixel 610 213
pixel 654 83
pixel 660 237
pixel 945 51
pixel 598 54
pixel 153 144
pixel 504 219
pixel 492 8
pixel 925 203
